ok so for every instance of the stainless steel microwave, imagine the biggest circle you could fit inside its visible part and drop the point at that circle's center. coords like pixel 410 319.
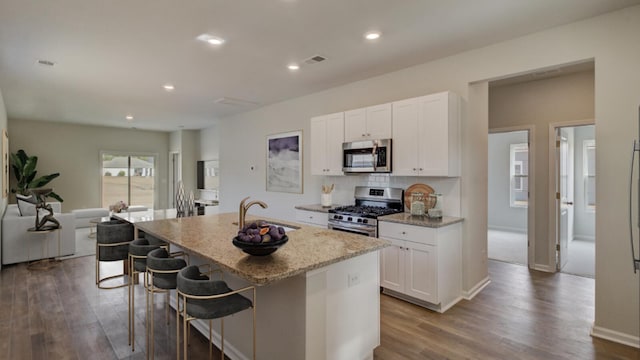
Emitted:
pixel 368 156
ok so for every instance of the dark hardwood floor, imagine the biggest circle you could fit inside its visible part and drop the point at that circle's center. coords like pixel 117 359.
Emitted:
pixel 522 314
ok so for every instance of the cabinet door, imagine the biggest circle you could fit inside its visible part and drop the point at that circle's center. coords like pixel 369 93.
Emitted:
pixel 405 137
pixel 392 267
pixel 355 125
pixel 433 128
pixel 334 140
pixel 421 272
pixel 379 122
pixel 318 219
pixel 318 145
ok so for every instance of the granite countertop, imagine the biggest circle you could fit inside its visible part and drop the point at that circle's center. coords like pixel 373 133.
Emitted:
pixel 317 207
pixel 308 247
pixel 407 218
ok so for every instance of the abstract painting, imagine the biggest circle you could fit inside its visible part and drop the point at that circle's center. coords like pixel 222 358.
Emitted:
pixel 284 162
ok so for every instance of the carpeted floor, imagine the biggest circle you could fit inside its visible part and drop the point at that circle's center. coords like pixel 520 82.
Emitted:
pixel 507 246
pixel 84 244
pixel 511 247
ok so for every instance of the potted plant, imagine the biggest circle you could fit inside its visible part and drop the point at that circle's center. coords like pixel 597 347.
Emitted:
pixel 24 167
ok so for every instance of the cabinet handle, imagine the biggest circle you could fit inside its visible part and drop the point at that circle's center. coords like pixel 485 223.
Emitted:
pixel 421 169
pixel 414 169
pixel 363 135
pixel 368 134
pixel 404 233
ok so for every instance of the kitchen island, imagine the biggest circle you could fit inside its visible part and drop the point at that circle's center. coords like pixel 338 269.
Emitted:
pixel 317 296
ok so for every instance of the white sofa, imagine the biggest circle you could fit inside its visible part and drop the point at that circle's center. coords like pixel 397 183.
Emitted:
pixel 84 216
pixel 18 245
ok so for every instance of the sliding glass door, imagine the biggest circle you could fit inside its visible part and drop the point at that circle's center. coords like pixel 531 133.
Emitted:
pixel 128 178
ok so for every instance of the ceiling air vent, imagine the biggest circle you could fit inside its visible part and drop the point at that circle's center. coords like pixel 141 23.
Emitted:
pixel 314 59
pixel 46 62
pixel 234 102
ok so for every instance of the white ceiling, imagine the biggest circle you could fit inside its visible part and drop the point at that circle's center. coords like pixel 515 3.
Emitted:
pixel 112 57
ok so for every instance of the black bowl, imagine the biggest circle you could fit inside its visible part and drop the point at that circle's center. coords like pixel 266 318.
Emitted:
pixel 259 249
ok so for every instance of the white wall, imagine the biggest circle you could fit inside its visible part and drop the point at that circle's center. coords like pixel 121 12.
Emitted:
pixel 210 143
pixel 242 140
pixel 74 152
pixel 584 220
pixel 501 215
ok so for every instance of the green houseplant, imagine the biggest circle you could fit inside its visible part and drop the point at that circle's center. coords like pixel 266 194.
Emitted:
pixel 24 167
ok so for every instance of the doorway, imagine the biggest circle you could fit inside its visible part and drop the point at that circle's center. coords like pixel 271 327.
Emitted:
pixel 508 196
pixel 174 176
pixel 575 203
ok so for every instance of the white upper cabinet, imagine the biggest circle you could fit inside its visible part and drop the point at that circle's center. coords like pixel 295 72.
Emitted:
pixel 327 135
pixel 426 136
pixel 373 122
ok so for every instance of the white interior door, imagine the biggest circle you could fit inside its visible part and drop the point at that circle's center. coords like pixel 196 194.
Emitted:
pixel 565 193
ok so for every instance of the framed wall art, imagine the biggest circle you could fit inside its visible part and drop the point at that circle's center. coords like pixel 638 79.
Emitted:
pixel 284 162
pixel 5 164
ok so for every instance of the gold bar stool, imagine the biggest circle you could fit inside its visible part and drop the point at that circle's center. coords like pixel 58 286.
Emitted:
pixel 138 250
pixel 161 277
pixel 203 298
pixel 112 244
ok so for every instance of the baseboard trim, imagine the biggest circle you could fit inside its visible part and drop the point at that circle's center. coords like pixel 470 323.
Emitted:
pixel 475 290
pixel 545 268
pixel 507 228
pixel 615 336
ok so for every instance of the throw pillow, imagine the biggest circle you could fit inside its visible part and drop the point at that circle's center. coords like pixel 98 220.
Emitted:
pixel 26 204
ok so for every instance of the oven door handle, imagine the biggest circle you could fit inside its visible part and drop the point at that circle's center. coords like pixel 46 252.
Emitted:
pixel 367 229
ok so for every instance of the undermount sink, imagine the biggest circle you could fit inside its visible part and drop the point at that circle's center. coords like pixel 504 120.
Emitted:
pixel 286 227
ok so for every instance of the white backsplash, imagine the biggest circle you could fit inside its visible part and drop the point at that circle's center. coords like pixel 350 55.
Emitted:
pixel 345 185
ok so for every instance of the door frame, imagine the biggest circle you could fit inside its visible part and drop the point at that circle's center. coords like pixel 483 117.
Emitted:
pixel 551 183
pixel 173 156
pixel 531 203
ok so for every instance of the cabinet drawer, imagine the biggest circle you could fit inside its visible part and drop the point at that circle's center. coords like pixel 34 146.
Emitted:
pixel 319 219
pixel 419 234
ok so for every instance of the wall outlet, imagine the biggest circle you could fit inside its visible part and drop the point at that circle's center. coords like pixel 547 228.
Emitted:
pixel 353 279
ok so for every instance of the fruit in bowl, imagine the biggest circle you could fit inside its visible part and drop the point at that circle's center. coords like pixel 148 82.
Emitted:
pixel 260 232
pixel 260 239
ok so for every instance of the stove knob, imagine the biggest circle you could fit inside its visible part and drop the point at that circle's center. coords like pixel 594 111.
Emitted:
pixel 335 216
pixel 340 217
pixel 359 220
pixel 350 218
pixel 365 221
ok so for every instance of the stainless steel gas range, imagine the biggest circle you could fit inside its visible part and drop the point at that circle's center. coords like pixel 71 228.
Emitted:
pixel 370 202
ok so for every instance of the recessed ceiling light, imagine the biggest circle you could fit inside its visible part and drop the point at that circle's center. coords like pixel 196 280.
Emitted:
pixel 293 67
pixel 372 35
pixel 169 87
pixel 213 40
pixel 129 117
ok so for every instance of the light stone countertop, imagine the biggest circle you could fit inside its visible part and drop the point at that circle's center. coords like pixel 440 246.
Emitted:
pixel 407 218
pixel 308 248
pixel 317 207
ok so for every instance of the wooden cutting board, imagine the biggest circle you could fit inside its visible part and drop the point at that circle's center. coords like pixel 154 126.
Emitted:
pixel 419 188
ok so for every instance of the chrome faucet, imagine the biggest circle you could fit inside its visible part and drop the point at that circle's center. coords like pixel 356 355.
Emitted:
pixel 244 208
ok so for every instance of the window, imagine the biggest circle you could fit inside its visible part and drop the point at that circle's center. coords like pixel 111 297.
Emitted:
pixel 519 175
pixel 128 178
pixel 589 172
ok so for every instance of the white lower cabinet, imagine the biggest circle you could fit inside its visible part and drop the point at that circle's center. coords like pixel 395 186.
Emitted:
pixel 423 265
pixel 319 219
